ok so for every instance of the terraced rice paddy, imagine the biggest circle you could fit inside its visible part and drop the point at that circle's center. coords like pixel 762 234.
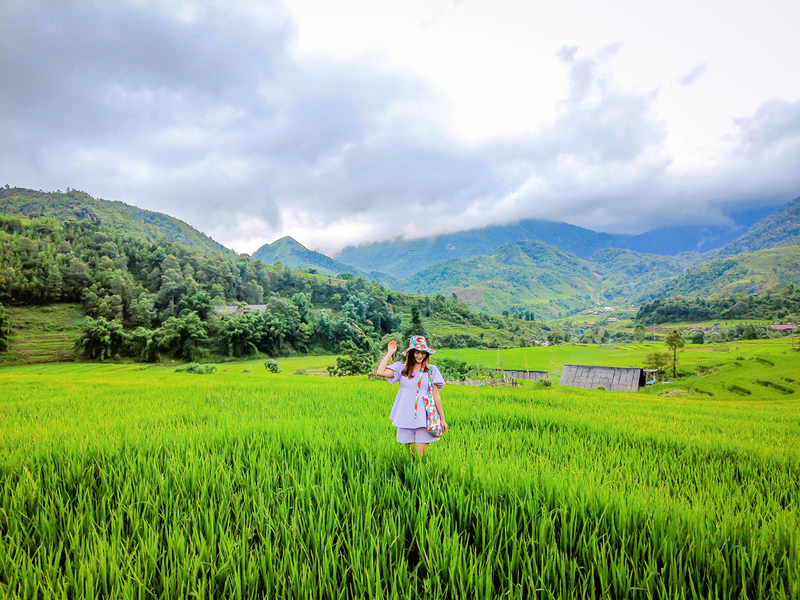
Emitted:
pixel 42 334
pixel 127 481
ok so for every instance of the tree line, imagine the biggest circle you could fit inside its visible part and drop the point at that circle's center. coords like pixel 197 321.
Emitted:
pixel 774 304
pixel 146 299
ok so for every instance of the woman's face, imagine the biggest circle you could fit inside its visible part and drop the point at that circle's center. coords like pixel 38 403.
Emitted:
pixel 420 355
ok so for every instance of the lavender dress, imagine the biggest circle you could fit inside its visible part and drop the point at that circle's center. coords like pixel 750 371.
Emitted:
pixel 402 414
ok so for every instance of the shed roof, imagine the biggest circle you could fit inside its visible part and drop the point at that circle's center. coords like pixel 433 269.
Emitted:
pixel 615 379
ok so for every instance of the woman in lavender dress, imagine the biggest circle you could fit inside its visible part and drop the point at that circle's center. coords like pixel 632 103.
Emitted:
pixel 413 375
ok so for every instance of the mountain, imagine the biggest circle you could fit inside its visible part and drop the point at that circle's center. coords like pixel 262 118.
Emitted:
pixel 519 274
pixel 750 273
pixel 631 274
pixel 294 255
pixel 400 258
pixel 781 228
pixel 700 237
pixel 78 205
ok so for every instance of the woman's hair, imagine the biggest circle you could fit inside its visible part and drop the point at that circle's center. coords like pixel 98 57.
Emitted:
pixel 408 370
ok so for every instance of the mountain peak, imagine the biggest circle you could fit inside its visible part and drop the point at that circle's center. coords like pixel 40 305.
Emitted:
pixel 286 241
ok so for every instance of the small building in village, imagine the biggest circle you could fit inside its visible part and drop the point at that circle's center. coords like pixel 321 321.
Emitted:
pixel 614 379
pixel 235 308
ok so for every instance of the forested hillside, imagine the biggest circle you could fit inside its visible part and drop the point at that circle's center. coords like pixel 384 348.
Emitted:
pixel 781 228
pixel 628 274
pixel 517 277
pixel 77 205
pixel 749 273
pixel 774 304
pixel 145 299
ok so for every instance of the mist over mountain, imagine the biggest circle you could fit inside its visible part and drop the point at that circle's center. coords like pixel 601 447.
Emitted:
pixel 400 258
pixel 780 228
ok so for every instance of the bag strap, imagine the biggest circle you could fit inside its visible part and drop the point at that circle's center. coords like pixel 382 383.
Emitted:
pixel 429 394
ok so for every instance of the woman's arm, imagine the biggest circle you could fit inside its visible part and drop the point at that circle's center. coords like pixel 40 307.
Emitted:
pixel 382 370
pixel 438 402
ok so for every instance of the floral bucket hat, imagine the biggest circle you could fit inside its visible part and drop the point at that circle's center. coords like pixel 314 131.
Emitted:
pixel 418 343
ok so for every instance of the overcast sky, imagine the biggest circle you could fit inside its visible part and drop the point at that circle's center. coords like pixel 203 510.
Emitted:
pixel 354 121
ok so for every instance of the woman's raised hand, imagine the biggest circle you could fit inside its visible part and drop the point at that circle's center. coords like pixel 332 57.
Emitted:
pixel 392 348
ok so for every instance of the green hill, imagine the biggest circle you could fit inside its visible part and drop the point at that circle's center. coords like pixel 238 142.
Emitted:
pixel 294 255
pixel 517 275
pixel 631 274
pixel 781 228
pixel 78 205
pixel 749 273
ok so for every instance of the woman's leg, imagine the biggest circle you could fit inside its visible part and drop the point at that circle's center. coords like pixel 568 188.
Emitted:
pixel 411 447
pixel 421 449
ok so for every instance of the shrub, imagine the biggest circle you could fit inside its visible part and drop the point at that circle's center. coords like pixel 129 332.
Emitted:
pixel 272 366
pixel 197 369
pixel 452 368
pixel 737 389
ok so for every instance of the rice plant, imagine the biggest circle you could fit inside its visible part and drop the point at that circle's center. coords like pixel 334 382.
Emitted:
pixel 123 481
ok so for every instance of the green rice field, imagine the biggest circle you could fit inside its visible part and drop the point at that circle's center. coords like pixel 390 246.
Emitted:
pixel 133 481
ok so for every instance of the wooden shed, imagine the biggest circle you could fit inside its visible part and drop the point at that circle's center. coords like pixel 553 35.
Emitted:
pixel 529 375
pixel 615 379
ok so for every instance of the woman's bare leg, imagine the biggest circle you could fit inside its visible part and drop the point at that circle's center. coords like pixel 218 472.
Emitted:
pixel 421 449
pixel 411 448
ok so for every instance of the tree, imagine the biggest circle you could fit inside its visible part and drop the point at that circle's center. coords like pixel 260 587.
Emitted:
pixel 240 334
pixel 656 360
pixel 354 362
pixel 415 327
pixel 100 338
pixel 183 337
pixel 674 341
pixel 140 345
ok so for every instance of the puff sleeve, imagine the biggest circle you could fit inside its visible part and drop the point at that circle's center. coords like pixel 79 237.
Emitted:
pixel 436 377
pixel 398 369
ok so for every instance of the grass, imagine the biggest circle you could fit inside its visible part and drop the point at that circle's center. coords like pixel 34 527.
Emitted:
pixel 135 481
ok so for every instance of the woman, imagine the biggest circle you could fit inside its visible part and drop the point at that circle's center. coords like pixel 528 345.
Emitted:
pixel 413 376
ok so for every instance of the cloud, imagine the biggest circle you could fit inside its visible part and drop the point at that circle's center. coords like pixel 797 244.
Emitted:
pixel 204 112
pixel 693 75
